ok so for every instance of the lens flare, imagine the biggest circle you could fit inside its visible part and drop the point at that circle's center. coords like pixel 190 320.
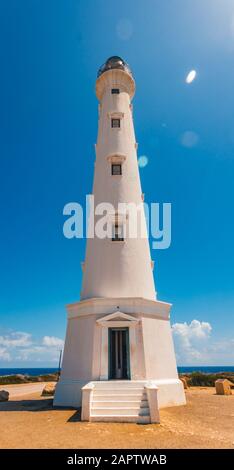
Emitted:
pixel 124 29
pixel 142 161
pixel 191 76
pixel 189 139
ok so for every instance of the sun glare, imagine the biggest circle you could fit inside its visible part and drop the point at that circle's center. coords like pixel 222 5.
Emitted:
pixel 191 76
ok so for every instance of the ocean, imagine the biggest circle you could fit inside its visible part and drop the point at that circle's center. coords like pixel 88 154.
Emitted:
pixel 205 369
pixel 28 371
pixel 50 370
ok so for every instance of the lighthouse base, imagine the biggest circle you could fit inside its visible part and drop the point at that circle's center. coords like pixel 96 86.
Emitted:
pixel 117 344
pixel 116 400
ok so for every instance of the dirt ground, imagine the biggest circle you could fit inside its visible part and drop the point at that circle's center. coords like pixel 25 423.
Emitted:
pixel 207 421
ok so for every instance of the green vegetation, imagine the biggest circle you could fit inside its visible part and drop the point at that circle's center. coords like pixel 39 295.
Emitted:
pixel 206 380
pixel 195 379
pixel 21 379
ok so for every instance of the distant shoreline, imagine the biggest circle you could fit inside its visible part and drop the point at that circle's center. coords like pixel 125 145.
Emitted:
pixel 193 377
pixel 36 371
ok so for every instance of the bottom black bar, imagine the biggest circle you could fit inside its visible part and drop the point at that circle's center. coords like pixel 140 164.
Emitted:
pixel 100 458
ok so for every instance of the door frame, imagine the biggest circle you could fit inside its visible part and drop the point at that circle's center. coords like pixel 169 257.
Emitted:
pixel 112 320
pixel 110 329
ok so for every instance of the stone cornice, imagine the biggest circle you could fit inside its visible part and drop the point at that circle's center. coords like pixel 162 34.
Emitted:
pixel 116 158
pixel 115 114
pixel 115 78
pixel 128 305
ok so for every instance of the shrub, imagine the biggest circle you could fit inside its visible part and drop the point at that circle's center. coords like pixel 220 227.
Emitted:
pixel 206 380
pixel 20 379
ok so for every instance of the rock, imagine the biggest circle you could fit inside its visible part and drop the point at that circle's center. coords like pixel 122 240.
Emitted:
pixel 184 382
pixel 4 395
pixel 22 378
pixel 48 390
pixel 223 387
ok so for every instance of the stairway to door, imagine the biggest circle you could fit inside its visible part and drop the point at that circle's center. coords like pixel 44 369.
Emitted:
pixel 120 401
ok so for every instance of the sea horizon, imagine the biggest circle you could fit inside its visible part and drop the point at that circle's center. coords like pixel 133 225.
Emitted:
pixel 33 371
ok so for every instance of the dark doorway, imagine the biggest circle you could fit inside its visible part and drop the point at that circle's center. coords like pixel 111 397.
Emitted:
pixel 119 354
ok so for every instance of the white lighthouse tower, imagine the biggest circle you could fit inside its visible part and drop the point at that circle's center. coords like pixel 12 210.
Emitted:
pixel 119 361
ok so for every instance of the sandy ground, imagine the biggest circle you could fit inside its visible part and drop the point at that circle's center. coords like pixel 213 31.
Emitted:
pixel 23 389
pixel 207 421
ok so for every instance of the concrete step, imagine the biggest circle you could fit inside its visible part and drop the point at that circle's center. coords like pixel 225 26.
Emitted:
pixel 118 384
pixel 126 411
pixel 119 397
pixel 121 419
pixel 119 403
pixel 121 390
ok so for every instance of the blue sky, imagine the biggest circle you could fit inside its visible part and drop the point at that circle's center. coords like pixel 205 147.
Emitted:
pixel 50 52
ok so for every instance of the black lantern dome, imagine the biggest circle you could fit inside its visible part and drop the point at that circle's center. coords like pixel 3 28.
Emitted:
pixel 114 62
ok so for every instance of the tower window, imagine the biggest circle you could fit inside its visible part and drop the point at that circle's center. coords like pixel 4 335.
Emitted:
pixel 115 91
pixel 116 169
pixel 117 233
pixel 115 122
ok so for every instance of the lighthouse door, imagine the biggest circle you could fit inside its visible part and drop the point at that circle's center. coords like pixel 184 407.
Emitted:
pixel 118 353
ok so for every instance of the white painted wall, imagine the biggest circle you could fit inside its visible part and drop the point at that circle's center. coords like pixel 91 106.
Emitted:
pixel 158 346
pixel 78 350
pixel 154 356
pixel 114 269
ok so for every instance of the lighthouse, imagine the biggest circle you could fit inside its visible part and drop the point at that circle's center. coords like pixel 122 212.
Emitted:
pixel 119 361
